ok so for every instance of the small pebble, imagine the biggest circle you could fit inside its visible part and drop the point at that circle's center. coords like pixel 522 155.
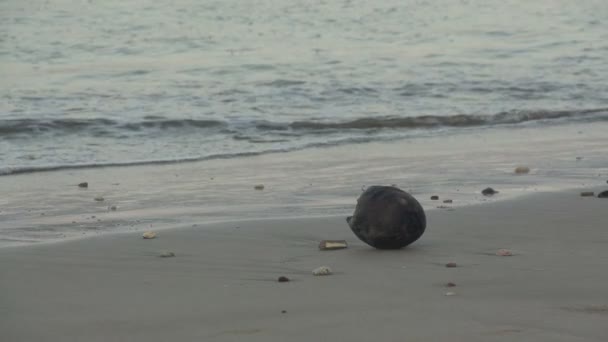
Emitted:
pixel 447 201
pixel 488 192
pixel 99 199
pixel 113 207
pixel 451 265
pixel 167 254
pixel 259 187
pixel 450 293
pixel 450 284
pixel 283 279
pixel 283 311
pixel 520 170
pixel 149 235
pixel 587 194
pixel 321 271
pixel 603 194
pixel 434 198
pixel 504 252
pixel 83 185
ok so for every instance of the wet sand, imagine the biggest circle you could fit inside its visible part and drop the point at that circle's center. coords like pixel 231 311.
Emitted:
pixel 222 283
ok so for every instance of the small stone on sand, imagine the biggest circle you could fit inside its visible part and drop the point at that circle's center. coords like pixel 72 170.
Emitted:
pixel 587 194
pixel 99 199
pixel 603 194
pixel 113 207
pixel 283 311
pixel 504 252
pixel 520 170
pixel 167 254
pixel 149 235
pixel 283 279
pixel 83 185
pixel 488 192
pixel 434 198
pixel 447 201
pixel 332 244
pixel 259 187
pixel 450 284
pixel 451 264
pixel 321 271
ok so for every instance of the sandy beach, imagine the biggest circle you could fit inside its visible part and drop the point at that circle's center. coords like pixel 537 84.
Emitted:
pixel 222 283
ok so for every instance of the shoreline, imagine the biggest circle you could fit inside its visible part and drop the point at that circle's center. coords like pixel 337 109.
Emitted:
pixel 222 283
pixel 307 183
pixel 235 222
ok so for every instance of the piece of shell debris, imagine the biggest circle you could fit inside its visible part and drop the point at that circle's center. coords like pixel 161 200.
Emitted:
pixel 322 271
pixel 450 284
pixel 99 199
pixel 149 235
pixel 332 244
pixel 283 279
pixel 450 293
pixel 520 170
pixel 258 187
pixel 112 208
pixel 83 185
pixel 504 252
pixel 167 254
pixel 451 265
pixel 587 194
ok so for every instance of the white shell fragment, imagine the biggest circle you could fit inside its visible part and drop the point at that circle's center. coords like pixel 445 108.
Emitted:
pixel 504 252
pixel 149 235
pixel 332 244
pixel 321 271
pixel 167 254
pixel 450 293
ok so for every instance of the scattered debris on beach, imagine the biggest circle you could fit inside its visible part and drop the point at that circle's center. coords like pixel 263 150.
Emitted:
pixel 603 194
pixel 83 185
pixel 322 271
pixel 488 192
pixel 450 284
pixel 99 199
pixel 587 194
pixel 332 244
pixel 283 279
pixel 504 252
pixel 258 187
pixel 167 254
pixel 520 170
pixel 149 235
pixel 451 265
pixel 434 198
pixel 447 201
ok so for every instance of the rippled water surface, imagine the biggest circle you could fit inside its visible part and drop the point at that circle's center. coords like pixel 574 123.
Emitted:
pixel 120 82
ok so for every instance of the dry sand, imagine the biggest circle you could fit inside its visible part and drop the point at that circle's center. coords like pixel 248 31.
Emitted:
pixel 222 283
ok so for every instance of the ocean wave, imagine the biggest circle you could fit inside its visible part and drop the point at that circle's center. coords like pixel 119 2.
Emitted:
pixel 62 126
pixel 153 124
pixel 434 121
